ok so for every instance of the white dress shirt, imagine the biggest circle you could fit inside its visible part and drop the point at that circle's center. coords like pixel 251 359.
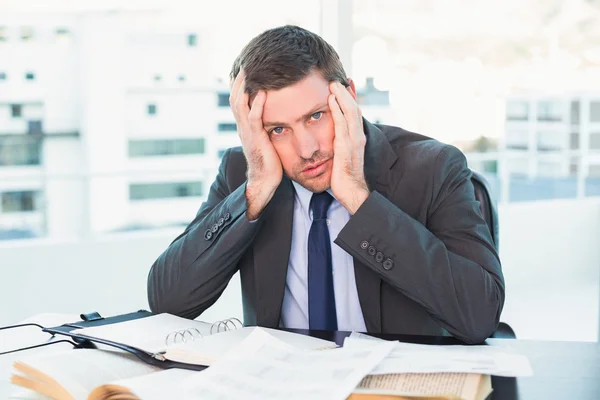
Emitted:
pixel 294 312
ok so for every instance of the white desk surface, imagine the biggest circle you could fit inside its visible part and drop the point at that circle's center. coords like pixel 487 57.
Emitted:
pixel 23 337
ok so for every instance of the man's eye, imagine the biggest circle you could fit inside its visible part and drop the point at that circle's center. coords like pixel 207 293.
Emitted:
pixel 277 130
pixel 317 115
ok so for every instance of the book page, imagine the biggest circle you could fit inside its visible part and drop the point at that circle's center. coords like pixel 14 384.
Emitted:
pixel 149 333
pixel 162 384
pixel 463 386
pixel 208 349
pixel 263 367
pixel 80 371
pixel 418 358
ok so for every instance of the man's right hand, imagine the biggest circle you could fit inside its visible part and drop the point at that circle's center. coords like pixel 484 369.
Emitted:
pixel 264 167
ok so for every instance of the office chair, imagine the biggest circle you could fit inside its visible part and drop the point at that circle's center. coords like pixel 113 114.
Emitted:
pixel 490 215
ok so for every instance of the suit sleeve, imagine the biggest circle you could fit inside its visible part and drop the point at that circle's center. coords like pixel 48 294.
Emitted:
pixel 190 275
pixel 450 267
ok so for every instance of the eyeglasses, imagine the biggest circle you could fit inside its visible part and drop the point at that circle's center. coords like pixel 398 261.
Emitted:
pixel 49 342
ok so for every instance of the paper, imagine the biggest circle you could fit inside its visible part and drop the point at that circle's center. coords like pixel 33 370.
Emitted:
pixel 463 386
pixel 263 367
pixel 416 358
pixel 210 348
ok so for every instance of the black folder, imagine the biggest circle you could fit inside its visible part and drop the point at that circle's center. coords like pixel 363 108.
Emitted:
pixel 94 319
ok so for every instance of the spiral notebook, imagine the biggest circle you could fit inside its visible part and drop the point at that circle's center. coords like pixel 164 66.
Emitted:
pixel 169 341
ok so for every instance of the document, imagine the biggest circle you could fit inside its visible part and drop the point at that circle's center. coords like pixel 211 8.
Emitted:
pixel 263 368
pixel 416 358
pixel 448 385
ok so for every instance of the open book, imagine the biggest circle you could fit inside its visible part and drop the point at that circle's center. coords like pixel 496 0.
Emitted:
pixel 100 374
pixel 168 337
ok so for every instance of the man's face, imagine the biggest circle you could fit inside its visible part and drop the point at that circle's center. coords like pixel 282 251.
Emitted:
pixel 301 129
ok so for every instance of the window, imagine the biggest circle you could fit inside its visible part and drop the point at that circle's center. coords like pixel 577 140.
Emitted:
pixel 227 127
pixel 549 111
pixel 145 148
pixel 223 99
pixel 192 40
pixel 517 111
pixel 152 109
pixel 20 150
pixel 16 110
pixel 29 76
pixel 147 191
pixel 2 76
pixel 575 109
pixel 19 201
pixel 574 140
pixel 595 111
pixel 157 78
pixel 3 34
pixel 181 78
pixel 62 35
pixel 595 141
pixel 26 34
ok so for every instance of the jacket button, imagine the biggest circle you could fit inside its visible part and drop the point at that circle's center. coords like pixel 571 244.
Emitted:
pixel 364 244
pixel 372 250
pixel 388 264
pixel 208 234
pixel 379 257
pixel 214 228
pixel 220 222
pixel 227 216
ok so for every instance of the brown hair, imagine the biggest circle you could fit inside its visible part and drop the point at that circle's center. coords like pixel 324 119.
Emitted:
pixel 285 55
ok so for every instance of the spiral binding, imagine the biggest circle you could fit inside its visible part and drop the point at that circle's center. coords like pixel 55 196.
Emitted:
pixel 192 334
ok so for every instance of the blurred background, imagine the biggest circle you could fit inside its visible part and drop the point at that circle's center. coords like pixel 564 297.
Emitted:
pixel 113 119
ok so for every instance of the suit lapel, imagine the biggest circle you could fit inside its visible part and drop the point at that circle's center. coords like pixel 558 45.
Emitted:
pixel 379 157
pixel 271 254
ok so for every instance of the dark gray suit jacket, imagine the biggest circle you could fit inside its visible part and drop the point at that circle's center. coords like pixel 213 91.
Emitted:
pixel 424 260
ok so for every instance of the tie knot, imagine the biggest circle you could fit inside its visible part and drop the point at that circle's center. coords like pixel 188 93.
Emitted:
pixel 319 203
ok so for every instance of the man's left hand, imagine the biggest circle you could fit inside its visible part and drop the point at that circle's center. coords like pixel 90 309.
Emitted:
pixel 347 178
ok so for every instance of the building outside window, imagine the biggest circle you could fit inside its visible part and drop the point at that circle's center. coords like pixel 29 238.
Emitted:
pixel 19 201
pixel 227 127
pixel 223 99
pixel 147 148
pixel 192 40
pixel 30 76
pixel 20 150
pixel 26 34
pixel 152 109
pixel 16 110
pixel 2 76
pixel 167 190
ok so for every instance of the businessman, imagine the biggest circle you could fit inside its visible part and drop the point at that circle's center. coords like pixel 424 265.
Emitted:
pixel 333 222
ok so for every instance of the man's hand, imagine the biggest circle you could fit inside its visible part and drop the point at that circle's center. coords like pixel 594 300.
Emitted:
pixel 347 177
pixel 264 167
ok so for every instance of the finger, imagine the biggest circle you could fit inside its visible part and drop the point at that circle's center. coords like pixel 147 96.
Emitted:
pixel 339 121
pixel 256 112
pixel 235 87
pixel 349 108
pixel 241 105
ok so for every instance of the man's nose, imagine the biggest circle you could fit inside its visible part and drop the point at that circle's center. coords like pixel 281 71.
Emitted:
pixel 307 144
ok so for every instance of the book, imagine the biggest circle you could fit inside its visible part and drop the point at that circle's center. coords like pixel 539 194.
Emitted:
pixel 95 374
pixel 168 337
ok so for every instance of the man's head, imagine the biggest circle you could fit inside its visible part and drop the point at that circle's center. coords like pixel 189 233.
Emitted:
pixel 294 67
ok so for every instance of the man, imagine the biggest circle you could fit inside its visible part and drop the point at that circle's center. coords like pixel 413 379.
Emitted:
pixel 332 222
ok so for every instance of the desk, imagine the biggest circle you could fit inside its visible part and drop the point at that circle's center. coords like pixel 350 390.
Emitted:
pixel 562 370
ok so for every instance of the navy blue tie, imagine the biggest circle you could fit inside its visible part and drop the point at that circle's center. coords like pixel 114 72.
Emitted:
pixel 321 297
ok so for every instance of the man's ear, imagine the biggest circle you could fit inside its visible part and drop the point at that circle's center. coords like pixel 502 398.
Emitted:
pixel 351 88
